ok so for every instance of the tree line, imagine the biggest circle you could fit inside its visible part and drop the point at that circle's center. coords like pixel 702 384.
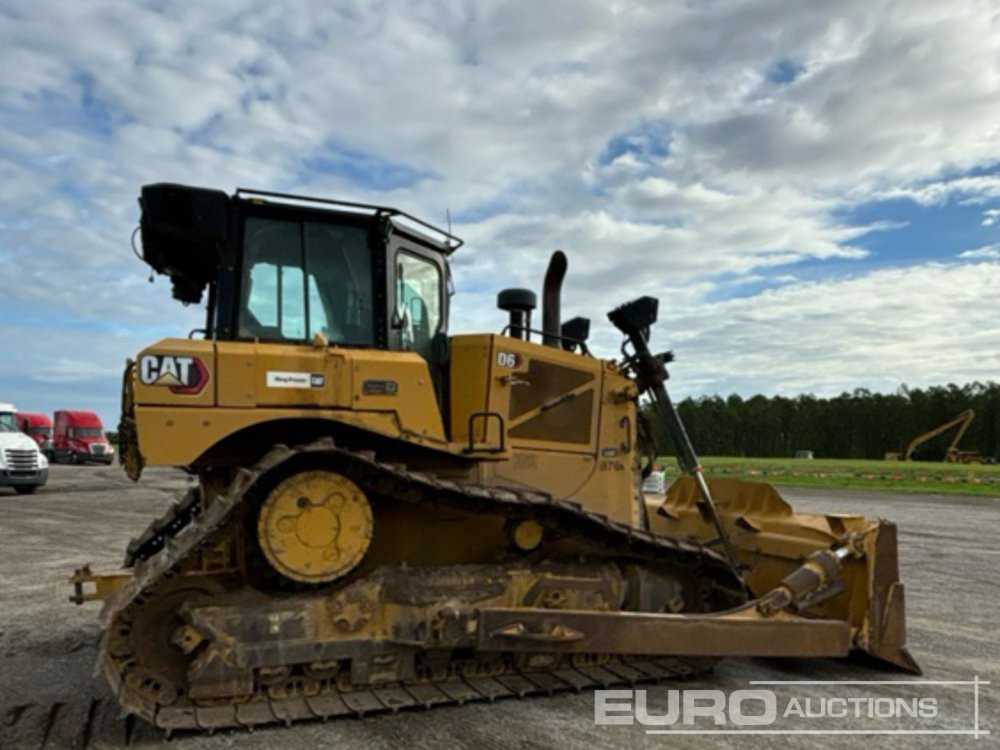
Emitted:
pixel 861 424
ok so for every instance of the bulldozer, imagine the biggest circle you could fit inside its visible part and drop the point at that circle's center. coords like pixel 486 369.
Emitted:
pixel 387 516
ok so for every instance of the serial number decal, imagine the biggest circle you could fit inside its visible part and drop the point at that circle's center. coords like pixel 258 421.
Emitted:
pixel 379 388
pixel 281 379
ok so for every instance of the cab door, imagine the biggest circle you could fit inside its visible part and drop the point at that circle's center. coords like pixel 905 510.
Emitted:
pixel 418 303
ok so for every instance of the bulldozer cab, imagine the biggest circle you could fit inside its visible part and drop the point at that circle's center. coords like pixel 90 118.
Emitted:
pixel 278 271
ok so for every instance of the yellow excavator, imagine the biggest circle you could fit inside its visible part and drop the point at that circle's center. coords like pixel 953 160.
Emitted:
pixel 952 454
pixel 388 516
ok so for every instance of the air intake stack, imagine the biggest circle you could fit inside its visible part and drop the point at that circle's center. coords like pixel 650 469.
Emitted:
pixel 519 303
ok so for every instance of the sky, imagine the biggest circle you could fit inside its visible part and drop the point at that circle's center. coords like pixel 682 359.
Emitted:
pixel 812 190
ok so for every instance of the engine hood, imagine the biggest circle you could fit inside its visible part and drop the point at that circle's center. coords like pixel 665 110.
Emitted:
pixel 17 440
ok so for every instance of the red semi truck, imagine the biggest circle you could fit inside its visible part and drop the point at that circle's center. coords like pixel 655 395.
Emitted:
pixel 78 436
pixel 38 427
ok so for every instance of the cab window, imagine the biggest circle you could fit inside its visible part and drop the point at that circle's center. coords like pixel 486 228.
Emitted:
pixel 303 278
pixel 418 302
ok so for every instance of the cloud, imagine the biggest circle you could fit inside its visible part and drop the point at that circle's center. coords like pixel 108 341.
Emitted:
pixel 691 151
pixel 922 325
pixel 988 251
pixel 970 190
pixel 363 169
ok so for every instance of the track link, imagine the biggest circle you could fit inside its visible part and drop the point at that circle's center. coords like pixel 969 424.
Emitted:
pixel 151 541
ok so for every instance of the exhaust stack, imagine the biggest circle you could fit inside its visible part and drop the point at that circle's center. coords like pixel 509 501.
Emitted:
pixel 551 299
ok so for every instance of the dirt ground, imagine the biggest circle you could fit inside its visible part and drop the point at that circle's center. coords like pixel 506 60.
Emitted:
pixel 49 697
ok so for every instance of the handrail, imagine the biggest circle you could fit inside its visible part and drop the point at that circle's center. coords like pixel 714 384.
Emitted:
pixel 388 210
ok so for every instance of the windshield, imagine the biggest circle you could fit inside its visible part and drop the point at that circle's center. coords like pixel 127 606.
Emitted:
pixel 47 431
pixel 7 422
pixel 301 278
pixel 86 432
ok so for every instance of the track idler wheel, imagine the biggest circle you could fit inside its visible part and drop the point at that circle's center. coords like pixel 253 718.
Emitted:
pixel 157 665
pixel 314 526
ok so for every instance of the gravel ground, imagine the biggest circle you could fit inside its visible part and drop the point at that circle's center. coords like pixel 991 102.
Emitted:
pixel 48 696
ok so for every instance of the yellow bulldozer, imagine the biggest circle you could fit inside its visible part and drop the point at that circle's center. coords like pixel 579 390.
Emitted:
pixel 387 516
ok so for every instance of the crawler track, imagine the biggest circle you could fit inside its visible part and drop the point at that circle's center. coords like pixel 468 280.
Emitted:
pixel 160 554
pixel 97 722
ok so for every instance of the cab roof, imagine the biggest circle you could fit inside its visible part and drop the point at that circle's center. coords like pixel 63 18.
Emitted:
pixel 34 418
pixel 442 240
pixel 81 417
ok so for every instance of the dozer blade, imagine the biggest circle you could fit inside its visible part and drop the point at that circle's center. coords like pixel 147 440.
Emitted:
pixel 883 631
pixel 771 541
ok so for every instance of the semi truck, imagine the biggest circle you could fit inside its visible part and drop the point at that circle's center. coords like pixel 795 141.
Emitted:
pixel 22 465
pixel 78 437
pixel 38 427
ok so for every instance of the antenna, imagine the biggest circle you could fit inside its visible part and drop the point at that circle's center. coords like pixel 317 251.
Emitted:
pixel 447 214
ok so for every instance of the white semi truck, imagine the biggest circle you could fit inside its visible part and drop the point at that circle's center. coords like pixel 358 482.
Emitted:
pixel 22 465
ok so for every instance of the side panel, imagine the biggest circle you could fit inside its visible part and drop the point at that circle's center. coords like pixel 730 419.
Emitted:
pixel 470 372
pixel 616 481
pixel 569 420
pixel 177 436
pixel 253 374
pixel 190 394
pixel 603 480
pixel 399 382
pixel 549 398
